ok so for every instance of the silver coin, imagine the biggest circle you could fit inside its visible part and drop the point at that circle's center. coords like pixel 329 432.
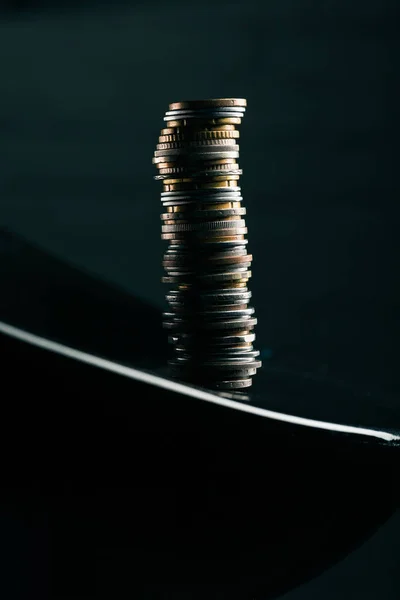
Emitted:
pixel 186 304
pixel 240 274
pixel 234 384
pixel 217 314
pixel 206 225
pixel 199 201
pixel 184 276
pixel 200 174
pixel 196 143
pixel 178 306
pixel 204 214
pixel 206 246
pixel 185 248
pixel 201 150
pixel 211 316
pixel 215 372
pixel 225 363
pixel 192 197
pixel 242 324
pixel 206 110
pixel 217 385
pixel 205 116
pixel 215 295
pixel 180 298
pixel 205 192
pixel 206 234
pixel 226 340
pixel 198 352
pixel 205 271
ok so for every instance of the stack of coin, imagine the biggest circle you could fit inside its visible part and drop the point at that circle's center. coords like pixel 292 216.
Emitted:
pixel 209 320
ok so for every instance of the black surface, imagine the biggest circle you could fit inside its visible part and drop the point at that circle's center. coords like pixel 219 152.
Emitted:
pixel 128 489
pixel 51 299
pixel 113 487
pixel 46 296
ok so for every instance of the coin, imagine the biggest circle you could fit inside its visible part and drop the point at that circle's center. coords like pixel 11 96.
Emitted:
pixel 206 225
pixel 204 114
pixel 230 235
pixel 189 144
pixel 205 214
pixel 226 163
pixel 234 384
pixel 210 103
pixel 209 122
pixel 214 174
pixel 226 178
pixel 190 130
pixel 200 192
pixel 218 313
pixel 195 172
pixel 242 323
pixel 215 368
pixel 226 276
pixel 199 135
pixel 178 206
pixel 223 194
pixel 198 186
pixel 209 319
pixel 201 152
pixel 226 340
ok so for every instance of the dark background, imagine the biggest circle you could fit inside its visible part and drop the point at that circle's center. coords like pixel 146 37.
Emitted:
pixel 82 97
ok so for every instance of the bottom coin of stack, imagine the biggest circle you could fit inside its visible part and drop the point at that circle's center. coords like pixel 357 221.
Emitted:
pixel 210 322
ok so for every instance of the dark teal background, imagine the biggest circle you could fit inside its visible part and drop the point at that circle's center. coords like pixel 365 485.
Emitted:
pixel 82 95
pixel 82 99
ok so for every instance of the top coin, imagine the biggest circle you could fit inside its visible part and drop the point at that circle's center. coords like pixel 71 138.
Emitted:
pixel 212 103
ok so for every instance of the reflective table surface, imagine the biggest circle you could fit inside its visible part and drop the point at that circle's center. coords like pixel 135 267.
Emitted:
pixel 135 485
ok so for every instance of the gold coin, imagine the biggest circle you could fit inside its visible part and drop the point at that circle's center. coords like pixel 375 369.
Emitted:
pixel 190 179
pixel 221 161
pixel 172 181
pixel 206 235
pixel 180 221
pixel 209 103
pixel 207 164
pixel 185 130
pixel 220 127
pixel 176 187
pixel 234 238
pixel 200 122
pixel 167 165
pixel 201 206
pixel 208 168
pixel 198 186
pixel 197 144
pixel 199 135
